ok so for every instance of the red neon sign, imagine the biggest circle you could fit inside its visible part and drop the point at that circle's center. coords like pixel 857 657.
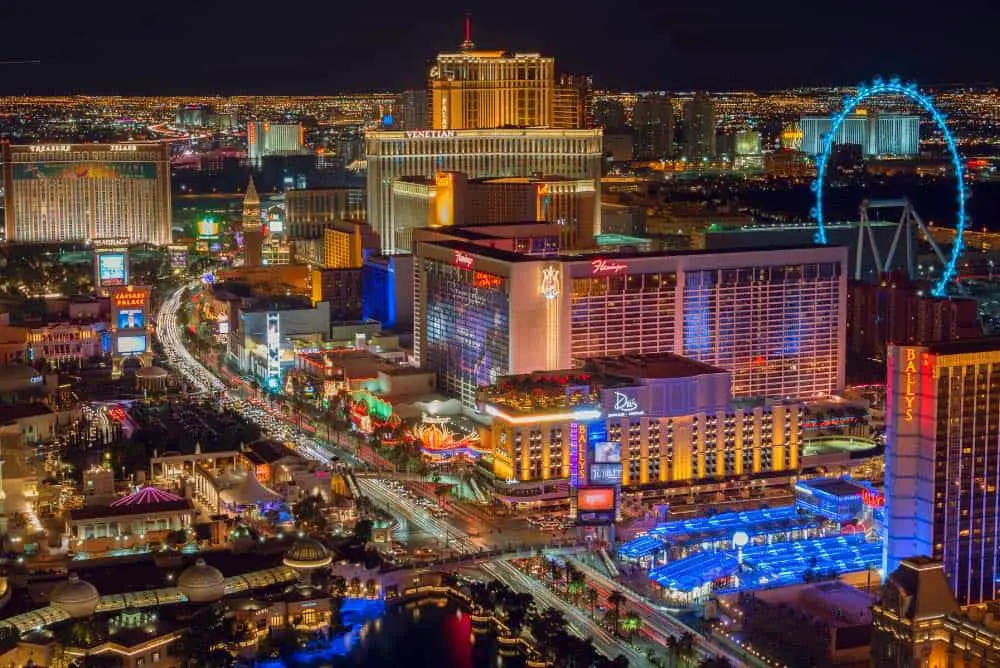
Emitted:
pixel 483 280
pixel 607 267
pixel 463 260
pixel 872 499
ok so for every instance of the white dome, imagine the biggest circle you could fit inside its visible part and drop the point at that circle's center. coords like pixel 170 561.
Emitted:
pixel 76 597
pixel 202 583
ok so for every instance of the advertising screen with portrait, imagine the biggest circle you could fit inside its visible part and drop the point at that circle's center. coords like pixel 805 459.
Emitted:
pixel 111 269
pixel 595 498
pixel 608 453
pixel 132 318
pixel 131 345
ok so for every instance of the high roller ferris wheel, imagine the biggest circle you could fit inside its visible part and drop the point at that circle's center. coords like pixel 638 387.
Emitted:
pixel 909 219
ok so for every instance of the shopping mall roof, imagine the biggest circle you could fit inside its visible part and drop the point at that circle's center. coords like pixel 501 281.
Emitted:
pixel 775 565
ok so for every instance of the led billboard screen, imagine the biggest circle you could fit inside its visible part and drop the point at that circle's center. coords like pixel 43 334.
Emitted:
pixel 608 453
pixel 132 344
pixel 132 318
pixel 111 269
pixel 595 498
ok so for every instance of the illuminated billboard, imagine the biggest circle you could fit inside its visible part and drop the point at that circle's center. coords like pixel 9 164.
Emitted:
pixel 112 269
pixel 273 350
pixel 178 257
pixel 595 498
pixel 605 474
pixel 208 228
pixel 129 297
pixel 131 318
pixel 133 344
pixel 608 453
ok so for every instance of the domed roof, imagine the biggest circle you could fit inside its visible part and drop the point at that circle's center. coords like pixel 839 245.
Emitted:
pixel 151 372
pixel 202 583
pixel 307 553
pixel 76 597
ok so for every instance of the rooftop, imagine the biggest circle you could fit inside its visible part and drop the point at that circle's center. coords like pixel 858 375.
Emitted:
pixel 838 487
pixel 659 365
pixel 967 346
pixel 761 255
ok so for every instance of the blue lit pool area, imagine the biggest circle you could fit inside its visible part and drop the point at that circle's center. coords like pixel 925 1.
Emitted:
pixel 765 566
pixel 682 538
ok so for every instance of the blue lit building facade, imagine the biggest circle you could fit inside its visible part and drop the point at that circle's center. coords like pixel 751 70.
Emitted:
pixel 387 291
pixel 942 472
pixel 877 134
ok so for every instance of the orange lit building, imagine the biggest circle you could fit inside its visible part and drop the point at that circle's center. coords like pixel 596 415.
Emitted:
pixel 346 243
pixel 475 90
pixel 452 199
pixel 278 279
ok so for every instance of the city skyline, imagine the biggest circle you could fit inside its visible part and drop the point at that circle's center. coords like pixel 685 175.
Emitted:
pixel 351 48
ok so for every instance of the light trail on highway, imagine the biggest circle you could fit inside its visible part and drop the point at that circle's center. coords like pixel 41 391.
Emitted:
pixel 581 623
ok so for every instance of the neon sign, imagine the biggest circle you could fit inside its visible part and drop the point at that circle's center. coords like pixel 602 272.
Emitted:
pixel 606 267
pixel 481 279
pixel 872 498
pixel 909 395
pixel 625 405
pixel 463 260
pixel 550 282
pixel 123 147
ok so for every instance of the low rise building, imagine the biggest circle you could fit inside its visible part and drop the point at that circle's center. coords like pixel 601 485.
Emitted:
pixel 671 420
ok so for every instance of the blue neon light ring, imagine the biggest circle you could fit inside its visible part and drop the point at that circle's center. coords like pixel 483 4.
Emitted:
pixel 910 90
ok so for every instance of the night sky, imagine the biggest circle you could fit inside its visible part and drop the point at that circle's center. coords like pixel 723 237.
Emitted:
pixel 330 46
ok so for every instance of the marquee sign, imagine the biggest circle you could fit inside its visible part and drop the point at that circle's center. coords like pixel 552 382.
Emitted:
pixel 129 297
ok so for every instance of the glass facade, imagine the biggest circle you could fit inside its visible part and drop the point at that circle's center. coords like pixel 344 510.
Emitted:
pixel 776 329
pixel 625 314
pixel 468 328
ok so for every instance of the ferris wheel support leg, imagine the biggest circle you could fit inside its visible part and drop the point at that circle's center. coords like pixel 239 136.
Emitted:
pixel 881 268
pixel 930 239
pixel 892 247
pixel 858 251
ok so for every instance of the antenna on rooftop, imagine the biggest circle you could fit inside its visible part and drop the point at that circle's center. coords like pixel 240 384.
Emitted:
pixel 468 43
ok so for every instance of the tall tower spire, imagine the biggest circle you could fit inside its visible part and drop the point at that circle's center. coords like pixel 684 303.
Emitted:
pixel 468 44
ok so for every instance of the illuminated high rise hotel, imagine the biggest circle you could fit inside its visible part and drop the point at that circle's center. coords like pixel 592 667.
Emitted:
pixel 942 462
pixel 772 319
pixel 876 134
pixel 575 154
pixel 474 90
pixel 492 115
pixel 80 192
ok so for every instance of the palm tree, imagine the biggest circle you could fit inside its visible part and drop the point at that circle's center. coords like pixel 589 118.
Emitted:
pixel 576 585
pixel 592 598
pixel 631 624
pixel 616 599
